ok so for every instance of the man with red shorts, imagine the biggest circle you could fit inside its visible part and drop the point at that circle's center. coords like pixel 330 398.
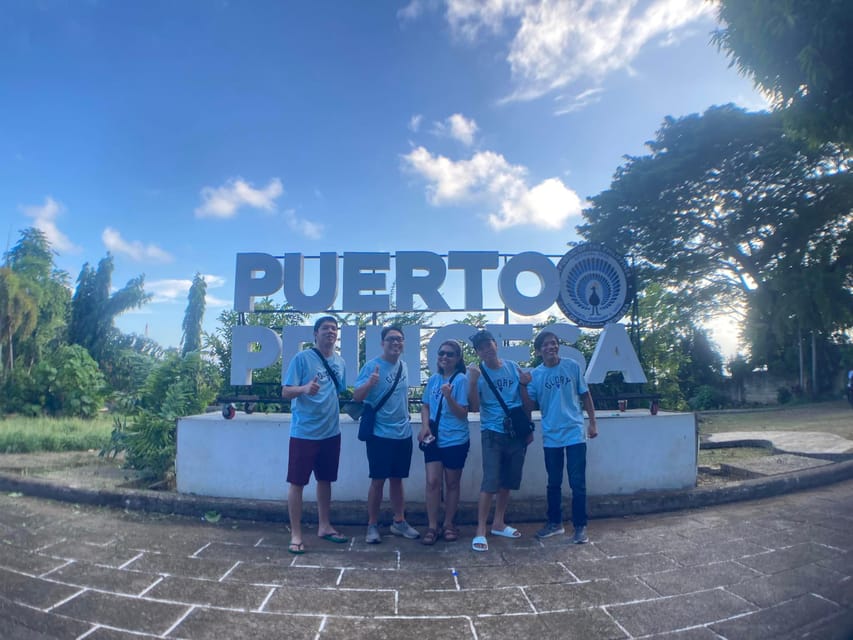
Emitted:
pixel 312 383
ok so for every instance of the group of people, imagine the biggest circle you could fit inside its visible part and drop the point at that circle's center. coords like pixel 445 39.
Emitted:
pixel 492 387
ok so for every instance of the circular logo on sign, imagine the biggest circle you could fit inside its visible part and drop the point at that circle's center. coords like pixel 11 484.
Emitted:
pixel 594 286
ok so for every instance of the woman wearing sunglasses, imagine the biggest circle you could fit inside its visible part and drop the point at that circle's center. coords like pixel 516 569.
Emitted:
pixel 444 439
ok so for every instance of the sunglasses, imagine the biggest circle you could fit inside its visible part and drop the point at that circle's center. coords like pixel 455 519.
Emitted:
pixel 447 354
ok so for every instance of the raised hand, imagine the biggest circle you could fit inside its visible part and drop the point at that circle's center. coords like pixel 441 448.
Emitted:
pixel 313 386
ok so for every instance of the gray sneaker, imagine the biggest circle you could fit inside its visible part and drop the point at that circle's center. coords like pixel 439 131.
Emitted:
pixel 373 536
pixel 550 529
pixel 580 536
pixel 404 529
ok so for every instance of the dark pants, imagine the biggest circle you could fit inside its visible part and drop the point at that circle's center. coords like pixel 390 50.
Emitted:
pixel 576 465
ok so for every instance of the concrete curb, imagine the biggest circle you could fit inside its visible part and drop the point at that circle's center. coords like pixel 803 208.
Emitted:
pixel 353 513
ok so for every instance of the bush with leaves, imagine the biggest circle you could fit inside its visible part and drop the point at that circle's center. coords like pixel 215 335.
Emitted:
pixel 177 387
pixel 69 383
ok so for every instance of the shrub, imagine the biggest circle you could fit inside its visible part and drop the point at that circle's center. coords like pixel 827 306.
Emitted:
pixel 706 398
pixel 69 383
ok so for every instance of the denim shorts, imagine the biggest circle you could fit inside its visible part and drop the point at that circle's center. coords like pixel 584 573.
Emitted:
pixel 503 461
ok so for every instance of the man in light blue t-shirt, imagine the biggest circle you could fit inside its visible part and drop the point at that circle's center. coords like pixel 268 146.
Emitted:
pixel 561 393
pixel 315 432
pixel 389 451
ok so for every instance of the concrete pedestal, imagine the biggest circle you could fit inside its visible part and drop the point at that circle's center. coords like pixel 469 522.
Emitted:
pixel 246 457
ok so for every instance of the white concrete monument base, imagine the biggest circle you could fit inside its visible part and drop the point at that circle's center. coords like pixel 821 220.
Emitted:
pixel 246 457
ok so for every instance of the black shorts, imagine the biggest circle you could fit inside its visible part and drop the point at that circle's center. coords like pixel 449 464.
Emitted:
pixel 389 457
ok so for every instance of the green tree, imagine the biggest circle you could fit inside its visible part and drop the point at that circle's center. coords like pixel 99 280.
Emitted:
pixel 267 314
pixel 32 260
pixel 193 316
pixel 794 51
pixel 18 316
pixel 94 309
pixel 723 200
pixel 70 383
pixel 178 386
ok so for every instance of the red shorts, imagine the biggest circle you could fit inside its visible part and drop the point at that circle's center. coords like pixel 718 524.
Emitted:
pixel 320 456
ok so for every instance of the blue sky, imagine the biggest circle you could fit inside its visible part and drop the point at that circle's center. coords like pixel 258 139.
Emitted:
pixel 177 134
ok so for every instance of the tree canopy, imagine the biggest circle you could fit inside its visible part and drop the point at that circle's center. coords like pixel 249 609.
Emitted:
pixel 193 316
pixel 795 51
pixel 725 207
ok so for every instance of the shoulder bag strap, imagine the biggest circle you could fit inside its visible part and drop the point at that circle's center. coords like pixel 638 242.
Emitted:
pixel 329 369
pixel 494 390
pixel 391 390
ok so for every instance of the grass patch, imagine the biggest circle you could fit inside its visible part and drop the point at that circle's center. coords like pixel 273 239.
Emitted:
pixel 829 417
pixel 728 455
pixel 29 435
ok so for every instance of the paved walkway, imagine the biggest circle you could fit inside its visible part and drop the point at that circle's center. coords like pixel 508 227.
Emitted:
pixel 779 567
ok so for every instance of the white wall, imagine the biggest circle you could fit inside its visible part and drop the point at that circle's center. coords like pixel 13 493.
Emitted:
pixel 247 457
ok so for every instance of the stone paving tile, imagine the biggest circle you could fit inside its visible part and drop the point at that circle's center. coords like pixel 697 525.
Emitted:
pixel 347 602
pixel 553 551
pixel 557 597
pixel 34 592
pixel 106 633
pixel 788 558
pixel 715 551
pixel 697 633
pixel 19 621
pixel 772 622
pixel 525 575
pixel 393 579
pixel 204 624
pixel 107 555
pixel 810 533
pixel 396 628
pixel 840 592
pixel 26 561
pixel 588 623
pixel 247 553
pixel 209 593
pixel 765 591
pixel 372 559
pixel 678 612
pixel 716 574
pixel 276 574
pixel 123 612
pixel 624 566
pixel 468 602
pixel 81 574
pixel 181 566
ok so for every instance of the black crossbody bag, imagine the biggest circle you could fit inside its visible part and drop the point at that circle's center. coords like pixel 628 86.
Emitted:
pixel 329 369
pixel 367 422
pixel 517 423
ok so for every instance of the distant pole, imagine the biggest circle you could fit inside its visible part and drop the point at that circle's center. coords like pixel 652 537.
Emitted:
pixel 814 366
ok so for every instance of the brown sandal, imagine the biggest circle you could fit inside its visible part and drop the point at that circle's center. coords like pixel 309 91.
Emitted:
pixel 430 537
pixel 451 534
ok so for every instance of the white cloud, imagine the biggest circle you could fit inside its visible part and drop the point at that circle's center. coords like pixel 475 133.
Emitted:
pixel 415 122
pixel 559 41
pixel 489 178
pixel 136 250
pixel 223 202
pixel 457 127
pixel 302 226
pixel 44 217
pixel 578 102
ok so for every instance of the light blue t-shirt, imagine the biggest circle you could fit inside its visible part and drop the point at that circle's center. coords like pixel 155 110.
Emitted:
pixel 558 391
pixel 505 380
pixel 451 430
pixel 392 420
pixel 315 417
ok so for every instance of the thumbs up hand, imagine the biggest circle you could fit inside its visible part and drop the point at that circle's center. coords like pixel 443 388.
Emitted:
pixel 374 377
pixel 314 386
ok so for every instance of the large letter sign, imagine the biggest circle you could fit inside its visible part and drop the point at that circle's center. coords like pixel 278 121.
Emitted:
pixel 590 284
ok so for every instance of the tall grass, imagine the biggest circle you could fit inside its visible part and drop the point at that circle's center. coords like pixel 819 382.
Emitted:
pixel 28 435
